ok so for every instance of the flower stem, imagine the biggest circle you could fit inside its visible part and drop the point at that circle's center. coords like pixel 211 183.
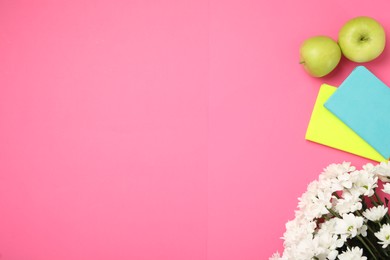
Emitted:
pixel 368 248
pixel 373 246
pixel 334 213
pixel 373 201
pixel 378 198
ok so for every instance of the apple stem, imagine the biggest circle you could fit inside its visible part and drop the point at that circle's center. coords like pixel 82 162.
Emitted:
pixel 301 62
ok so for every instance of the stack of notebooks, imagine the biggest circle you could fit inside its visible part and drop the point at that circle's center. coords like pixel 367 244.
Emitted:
pixel 355 117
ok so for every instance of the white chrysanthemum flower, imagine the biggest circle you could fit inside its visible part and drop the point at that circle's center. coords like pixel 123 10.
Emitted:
pixel 334 170
pixel 348 203
pixel 315 233
pixel 386 188
pixel 298 238
pixel 331 185
pixel 275 256
pixel 369 167
pixel 306 199
pixel 384 235
pixel 383 171
pixel 332 255
pixel 297 231
pixel 304 249
pixel 364 183
pixel 328 226
pixel 344 180
pixel 354 253
pixel 350 226
pixel 326 245
pixel 321 202
pixel 315 201
pixel 336 177
pixel 375 214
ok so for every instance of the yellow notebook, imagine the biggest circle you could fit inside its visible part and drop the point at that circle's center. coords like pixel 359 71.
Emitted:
pixel 325 128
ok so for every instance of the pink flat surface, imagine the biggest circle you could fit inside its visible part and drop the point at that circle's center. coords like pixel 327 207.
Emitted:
pixel 160 129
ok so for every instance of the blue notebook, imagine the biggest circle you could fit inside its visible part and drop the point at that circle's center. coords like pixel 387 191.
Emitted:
pixel 362 102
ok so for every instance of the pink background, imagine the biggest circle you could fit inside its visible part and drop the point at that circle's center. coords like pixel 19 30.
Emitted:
pixel 160 129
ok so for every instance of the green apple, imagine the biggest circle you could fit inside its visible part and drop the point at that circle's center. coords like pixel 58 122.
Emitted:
pixel 362 39
pixel 319 55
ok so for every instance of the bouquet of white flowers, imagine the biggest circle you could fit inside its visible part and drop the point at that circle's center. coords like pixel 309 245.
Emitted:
pixel 342 216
